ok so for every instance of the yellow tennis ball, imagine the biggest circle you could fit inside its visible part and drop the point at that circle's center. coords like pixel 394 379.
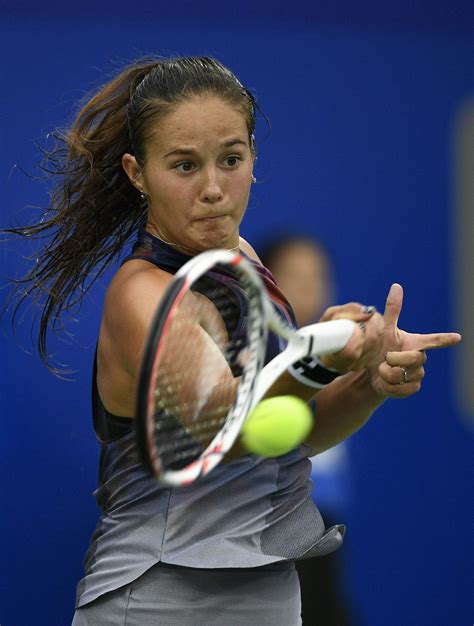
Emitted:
pixel 277 426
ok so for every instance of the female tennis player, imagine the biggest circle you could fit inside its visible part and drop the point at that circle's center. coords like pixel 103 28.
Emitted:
pixel 164 154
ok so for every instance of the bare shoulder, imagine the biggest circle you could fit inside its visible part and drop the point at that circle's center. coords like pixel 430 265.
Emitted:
pixel 138 286
pixel 248 249
pixel 130 304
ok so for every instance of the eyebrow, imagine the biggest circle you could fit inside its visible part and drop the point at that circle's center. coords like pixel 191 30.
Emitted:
pixel 185 150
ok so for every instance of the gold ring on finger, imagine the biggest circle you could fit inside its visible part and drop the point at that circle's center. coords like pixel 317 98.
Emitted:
pixel 405 377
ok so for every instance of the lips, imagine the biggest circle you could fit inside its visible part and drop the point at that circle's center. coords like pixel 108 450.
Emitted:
pixel 211 218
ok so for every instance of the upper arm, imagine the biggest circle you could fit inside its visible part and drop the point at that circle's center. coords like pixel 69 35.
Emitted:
pixel 130 305
pixel 129 310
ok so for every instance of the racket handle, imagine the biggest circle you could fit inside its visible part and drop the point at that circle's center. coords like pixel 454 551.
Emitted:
pixel 327 337
pixel 312 340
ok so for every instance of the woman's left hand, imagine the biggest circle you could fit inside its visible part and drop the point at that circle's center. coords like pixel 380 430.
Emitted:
pixel 397 369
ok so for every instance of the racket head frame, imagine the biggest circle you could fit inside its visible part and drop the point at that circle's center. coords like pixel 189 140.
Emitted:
pixel 258 310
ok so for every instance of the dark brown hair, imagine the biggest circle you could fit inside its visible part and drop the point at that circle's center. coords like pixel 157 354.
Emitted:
pixel 94 210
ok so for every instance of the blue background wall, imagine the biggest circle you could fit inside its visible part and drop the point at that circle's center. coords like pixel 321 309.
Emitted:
pixel 362 105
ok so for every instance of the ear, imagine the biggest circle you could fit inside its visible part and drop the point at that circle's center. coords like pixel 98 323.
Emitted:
pixel 132 169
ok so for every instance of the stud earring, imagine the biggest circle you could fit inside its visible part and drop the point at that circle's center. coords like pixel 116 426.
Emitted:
pixel 254 180
pixel 143 195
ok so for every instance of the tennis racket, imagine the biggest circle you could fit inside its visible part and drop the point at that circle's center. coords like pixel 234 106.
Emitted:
pixel 202 366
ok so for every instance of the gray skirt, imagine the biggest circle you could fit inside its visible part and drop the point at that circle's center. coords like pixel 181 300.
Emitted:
pixel 168 595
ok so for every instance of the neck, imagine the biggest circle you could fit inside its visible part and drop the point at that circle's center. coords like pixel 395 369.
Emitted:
pixel 180 247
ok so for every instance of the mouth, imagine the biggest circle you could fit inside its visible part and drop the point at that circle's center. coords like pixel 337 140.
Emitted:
pixel 211 218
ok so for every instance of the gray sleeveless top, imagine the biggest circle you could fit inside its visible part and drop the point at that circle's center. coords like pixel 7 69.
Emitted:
pixel 246 513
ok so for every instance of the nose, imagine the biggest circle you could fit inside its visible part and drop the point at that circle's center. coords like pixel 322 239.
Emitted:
pixel 211 190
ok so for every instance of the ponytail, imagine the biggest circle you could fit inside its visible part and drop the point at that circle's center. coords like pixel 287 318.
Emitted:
pixel 93 211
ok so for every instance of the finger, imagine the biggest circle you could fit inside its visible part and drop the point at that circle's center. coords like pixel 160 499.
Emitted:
pixel 328 314
pixel 435 340
pixel 352 310
pixel 401 391
pixel 408 358
pixel 396 376
pixel 390 375
pixel 391 379
pixel 417 375
pixel 393 305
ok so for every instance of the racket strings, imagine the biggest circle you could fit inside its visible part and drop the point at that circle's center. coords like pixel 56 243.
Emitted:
pixel 184 443
pixel 200 357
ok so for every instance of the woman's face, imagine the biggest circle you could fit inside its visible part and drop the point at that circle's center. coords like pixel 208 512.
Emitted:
pixel 197 174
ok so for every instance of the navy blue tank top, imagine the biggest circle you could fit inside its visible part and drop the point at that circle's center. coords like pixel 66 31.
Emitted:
pixel 247 513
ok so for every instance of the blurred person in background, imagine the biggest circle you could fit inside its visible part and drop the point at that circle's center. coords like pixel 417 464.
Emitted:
pixel 303 271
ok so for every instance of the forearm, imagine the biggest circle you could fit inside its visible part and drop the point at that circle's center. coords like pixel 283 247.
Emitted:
pixel 342 408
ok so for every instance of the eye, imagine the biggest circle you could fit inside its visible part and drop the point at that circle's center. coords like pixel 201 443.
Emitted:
pixel 232 160
pixel 184 167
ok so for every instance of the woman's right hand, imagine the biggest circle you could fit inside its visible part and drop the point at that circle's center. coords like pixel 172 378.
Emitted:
pixel 366 341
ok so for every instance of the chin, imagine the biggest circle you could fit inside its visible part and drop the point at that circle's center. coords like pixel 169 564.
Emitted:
pixel 218 241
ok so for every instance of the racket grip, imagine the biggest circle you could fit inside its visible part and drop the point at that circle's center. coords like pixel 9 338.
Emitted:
pixel 309 341
pixel 327 337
